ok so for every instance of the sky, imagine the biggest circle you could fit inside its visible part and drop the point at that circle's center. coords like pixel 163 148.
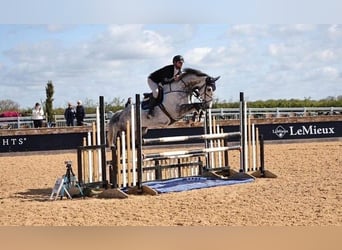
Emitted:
pixel 86 58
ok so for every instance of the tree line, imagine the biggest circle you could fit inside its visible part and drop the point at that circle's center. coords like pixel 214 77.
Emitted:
pixel 329 101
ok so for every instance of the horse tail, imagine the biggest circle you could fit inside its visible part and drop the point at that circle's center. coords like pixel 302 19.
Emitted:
pixel 112 127
pixel 110 134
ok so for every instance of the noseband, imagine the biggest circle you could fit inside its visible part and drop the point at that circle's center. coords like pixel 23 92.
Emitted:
pixel 208 84
pixel 189 90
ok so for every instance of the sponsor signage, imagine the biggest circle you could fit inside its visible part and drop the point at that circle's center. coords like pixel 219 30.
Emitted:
pixel 22 143
pixel 288 131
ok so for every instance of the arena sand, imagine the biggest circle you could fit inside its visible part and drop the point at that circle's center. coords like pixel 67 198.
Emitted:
pixel 307 192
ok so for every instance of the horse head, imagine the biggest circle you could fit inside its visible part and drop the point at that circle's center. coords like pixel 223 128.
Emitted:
pixel 200 85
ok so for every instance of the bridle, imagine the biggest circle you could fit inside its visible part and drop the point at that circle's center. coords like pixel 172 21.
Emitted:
pixel 209 84
pixel 190 91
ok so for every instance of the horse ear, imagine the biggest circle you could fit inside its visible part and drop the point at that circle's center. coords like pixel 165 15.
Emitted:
pixel 211 80
pixel 216 78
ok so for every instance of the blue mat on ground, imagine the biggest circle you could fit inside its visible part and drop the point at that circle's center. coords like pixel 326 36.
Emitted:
pixel 190 183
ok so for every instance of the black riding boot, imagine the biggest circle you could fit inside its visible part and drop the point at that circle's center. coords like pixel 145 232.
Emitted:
pixel 153 103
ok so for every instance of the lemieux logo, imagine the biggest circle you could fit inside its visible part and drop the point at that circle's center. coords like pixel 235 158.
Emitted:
pixel 280 131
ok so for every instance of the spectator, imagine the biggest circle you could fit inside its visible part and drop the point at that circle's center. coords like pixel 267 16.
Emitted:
pixel 37 116
pixel 80 114
pixel 69 115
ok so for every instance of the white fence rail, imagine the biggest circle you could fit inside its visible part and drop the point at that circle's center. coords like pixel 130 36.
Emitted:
pixel 219 114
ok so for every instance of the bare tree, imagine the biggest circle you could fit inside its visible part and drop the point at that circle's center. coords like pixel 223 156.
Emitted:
pixel 8 105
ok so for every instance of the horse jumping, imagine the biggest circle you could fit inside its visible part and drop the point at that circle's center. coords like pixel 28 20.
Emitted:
pixel 175 103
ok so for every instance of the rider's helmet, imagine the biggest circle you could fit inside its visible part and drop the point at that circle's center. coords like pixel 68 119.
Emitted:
pixel 177 58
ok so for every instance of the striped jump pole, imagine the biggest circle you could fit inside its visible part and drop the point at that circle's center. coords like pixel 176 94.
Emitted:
pixel 190 137
pixel 166 157
pixel 187 152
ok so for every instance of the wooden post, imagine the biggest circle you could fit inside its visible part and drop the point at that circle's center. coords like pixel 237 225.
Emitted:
pixel 103 141
pixel 139 139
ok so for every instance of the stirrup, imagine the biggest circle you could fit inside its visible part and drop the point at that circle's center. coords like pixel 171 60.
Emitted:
pixel 150 113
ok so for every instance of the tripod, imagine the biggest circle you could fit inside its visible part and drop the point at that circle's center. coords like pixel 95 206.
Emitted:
pixel 70 179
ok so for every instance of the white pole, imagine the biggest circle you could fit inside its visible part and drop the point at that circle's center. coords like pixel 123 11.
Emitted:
pixel 124 165
pixel 90 156
pixel 253 147
pixel 98 138
pixel 245 135
pixel 134 163
pixel 211 142
pixel 219 145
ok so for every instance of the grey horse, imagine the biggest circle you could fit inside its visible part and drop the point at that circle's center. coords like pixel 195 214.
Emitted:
pixel 175 103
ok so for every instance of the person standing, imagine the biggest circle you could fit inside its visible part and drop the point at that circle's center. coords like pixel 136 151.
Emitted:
pixel 80 113
pixel 37 116
pixel 69 115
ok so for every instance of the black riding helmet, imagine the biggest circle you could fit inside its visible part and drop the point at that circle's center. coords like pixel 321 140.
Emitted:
pixel 177 58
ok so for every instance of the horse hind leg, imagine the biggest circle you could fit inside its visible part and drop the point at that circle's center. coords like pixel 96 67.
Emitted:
pixel 111 135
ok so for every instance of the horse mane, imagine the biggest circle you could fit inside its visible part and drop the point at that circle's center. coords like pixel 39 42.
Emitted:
pixel 193 71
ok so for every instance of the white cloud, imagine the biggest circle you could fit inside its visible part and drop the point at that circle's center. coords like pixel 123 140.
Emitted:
pixel 326 55
pixel 277 49
pixel 123 42
pixel 198 55
pixel 57 27
pixel 297 28
pixel 330 72
pixel 248 30
pixel 335 31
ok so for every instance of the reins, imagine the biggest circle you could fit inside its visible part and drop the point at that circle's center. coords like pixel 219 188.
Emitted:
pixel 189 92
pixel 192 92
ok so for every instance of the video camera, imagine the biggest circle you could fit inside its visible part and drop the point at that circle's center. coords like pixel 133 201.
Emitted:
pixel 68 164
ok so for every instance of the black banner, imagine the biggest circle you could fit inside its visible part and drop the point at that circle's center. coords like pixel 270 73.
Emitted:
pixel 22 143
pixel 309 130
pixel 274 132
pixel 286 131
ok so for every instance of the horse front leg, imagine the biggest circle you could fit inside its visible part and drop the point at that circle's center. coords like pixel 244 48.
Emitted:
pixel 186 108
pixel 189 107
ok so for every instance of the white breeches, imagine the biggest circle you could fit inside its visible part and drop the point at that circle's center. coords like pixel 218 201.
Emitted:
pixel 154 87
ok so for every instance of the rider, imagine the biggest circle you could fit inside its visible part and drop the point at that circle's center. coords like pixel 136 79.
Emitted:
pixel 163 75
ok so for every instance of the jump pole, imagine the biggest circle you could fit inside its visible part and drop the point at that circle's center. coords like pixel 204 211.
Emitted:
pixel 243 133
pixel 190 137
pixel 103 142
pixel 134 164
pixel 139 188
pixel 262 172
pixel 98 142
pixel 139 140
pixel 242 175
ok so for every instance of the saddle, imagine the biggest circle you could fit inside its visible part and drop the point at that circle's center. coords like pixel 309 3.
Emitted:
pixel 147 103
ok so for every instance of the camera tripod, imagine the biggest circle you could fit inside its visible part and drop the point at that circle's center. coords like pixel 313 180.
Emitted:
pixel 70 179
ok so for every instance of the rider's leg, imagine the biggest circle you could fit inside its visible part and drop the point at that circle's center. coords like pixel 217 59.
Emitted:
pixel 153 101
pixel 154 87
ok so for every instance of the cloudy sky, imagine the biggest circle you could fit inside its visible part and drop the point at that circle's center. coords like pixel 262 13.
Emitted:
pixel 266 61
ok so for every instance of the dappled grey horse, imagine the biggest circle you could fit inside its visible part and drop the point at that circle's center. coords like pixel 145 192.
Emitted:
pixel 175 103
